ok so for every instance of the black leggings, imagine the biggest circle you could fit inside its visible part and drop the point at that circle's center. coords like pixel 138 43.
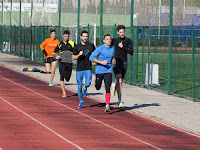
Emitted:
pixel 107 81
pixel 65 71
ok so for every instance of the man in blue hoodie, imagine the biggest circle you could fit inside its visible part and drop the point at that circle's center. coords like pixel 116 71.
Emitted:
pixel 104 66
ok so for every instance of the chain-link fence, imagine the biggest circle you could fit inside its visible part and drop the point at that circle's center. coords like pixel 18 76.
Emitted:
pixel 165 57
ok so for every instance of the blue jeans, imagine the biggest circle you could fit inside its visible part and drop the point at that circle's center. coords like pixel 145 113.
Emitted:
pixel 79 79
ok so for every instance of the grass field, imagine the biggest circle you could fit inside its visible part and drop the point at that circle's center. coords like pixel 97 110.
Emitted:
pixel 182 76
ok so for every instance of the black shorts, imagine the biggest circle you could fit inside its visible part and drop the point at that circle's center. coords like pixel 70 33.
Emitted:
pixel 107 77
pixel 120 68
pixel 65 71
pixel 49 60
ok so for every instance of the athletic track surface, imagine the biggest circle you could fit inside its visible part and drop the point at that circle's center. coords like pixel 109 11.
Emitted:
pixel 34 116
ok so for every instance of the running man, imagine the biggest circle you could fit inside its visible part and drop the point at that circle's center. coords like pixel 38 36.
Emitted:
pixel 123 46
pixel 82 52
pixel 48 47
pixel 65 50
pixel 104 67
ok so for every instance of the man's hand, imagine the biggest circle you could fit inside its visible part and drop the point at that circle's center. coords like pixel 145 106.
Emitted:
pixel 73 61
pixel 44 51
pixel 120 44
pixel 80 53
pixel 58 57
pixel 104 62
pixel 114 61
pixel 93 63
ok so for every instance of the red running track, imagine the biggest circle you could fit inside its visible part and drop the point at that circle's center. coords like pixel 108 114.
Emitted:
pixel 34 116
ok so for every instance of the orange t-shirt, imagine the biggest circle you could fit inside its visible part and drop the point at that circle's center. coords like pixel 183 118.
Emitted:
pixel 49 45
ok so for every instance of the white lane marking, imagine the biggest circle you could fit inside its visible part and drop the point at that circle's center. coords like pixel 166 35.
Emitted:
pixel 42 124
pixel 85 115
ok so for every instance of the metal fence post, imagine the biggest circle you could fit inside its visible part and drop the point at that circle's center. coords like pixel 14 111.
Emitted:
pixel 78 22
pixel 101 23
pixel 143 44
pixel 20 17
pixel 132 38
pixel 170 48
pixel 15 40
pixel 193 63
pixel 24 40
pixel 88 28
pixel 149 57
pixel 59 24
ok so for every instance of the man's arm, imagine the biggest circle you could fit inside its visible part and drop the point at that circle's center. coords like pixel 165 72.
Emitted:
pixel 128 48
pixel 75 57
pixel 42 46
pixel 55 53
pixel 95 54
pixel 76 54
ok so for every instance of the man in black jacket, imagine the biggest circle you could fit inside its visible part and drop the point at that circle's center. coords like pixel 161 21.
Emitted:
pixel 65 51
pixel 123 46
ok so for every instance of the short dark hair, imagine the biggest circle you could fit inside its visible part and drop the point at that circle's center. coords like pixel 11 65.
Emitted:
pixel 52 31
pixel 120 27
pixel 106 35
pixel 83 32
pixel 66 32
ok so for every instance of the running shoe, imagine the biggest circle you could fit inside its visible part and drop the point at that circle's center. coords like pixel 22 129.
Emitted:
pixel 80 104
pixel 50 84
pixel 63 95
pixel 84 91
pixel 107 109
pixel 112 89
pixel 120 105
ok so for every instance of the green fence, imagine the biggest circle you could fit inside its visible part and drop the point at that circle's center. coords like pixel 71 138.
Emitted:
pixel 149 48
pixel 164 33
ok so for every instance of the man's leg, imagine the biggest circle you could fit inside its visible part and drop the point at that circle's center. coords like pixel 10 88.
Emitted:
pixel 53 69
pixel 98 82
pixel 47 67
pixel 79 79
pixel 119 85
pixel 62 84
pixel 119 89
pixel 88 79
pixel 68 71
pixel 107 81
pixel 62 75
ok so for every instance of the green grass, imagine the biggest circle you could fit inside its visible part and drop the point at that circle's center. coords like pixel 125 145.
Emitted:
pixel 182 77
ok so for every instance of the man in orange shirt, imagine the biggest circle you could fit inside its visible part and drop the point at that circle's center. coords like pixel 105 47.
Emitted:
pixel 48 47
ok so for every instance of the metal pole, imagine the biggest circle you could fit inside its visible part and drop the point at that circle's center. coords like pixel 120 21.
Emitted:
pixel 170 48
pixel 78 23
pixel 193 63
pixel 20 17
pixel 10 25
pixel 96 6
pixel 149 47
pixel 2 13
pixel 101 23
pixel 136 55
pixel 11 13
pixel 143 44
pixel 125 6
pixel 184 11
pixel 160 10
pixel 88 28
pixel 31 51
pixel 59 24
pixel 24 39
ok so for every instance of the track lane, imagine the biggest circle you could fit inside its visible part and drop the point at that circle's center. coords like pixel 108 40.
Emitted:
pixel 138 127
